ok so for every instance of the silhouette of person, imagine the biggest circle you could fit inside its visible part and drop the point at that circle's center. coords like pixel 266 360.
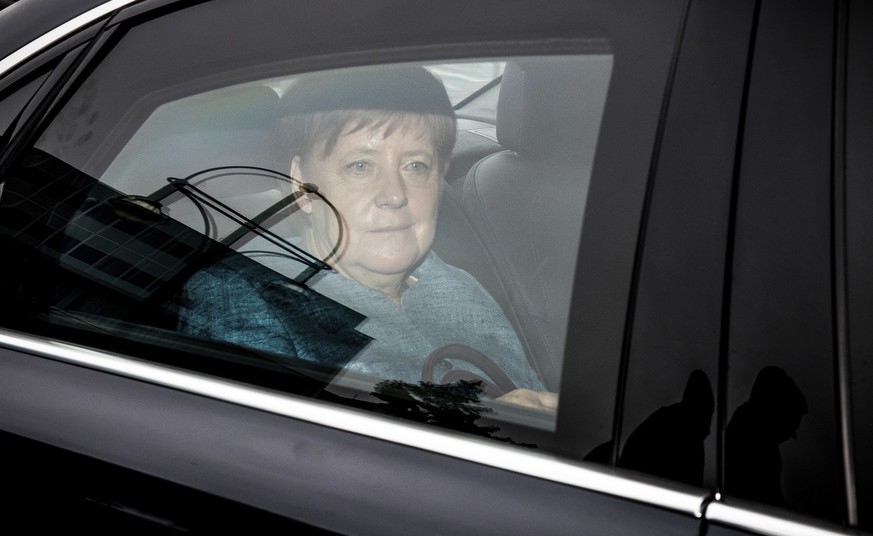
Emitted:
pixel 669 443
pixel 753 462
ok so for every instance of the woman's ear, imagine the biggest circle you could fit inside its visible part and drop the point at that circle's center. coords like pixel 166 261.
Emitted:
pixel 303 200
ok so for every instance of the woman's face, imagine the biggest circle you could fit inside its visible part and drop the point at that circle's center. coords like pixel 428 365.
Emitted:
pixel 386 189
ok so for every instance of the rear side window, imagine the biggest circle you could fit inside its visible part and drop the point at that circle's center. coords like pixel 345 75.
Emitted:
pixel 400 237
pixel 305 224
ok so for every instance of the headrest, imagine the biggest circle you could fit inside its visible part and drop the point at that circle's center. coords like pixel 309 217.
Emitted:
pixel 551 108
pixel 393 88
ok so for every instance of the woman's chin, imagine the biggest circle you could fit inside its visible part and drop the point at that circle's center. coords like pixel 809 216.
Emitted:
pixel 389 266
pixel 389 269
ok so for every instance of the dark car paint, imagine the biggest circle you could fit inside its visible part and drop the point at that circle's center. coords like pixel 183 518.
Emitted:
pixel 324 477
pixel 347 482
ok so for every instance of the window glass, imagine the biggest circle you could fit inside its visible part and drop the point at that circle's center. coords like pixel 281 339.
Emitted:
pixel 296 229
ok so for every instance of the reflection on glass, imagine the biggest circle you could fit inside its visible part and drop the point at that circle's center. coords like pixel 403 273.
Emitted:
pixel 771 416
pixel 456 406
pixel 669 443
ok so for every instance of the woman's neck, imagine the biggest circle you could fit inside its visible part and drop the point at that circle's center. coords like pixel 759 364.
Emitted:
pixel 392 285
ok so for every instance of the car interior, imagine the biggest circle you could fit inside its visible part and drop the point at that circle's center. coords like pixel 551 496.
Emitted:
pixel 525 201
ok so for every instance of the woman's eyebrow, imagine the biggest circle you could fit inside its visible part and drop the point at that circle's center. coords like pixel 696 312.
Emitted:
pixel 421 155
pixel 366 151
pixel 423 150
pixel 373 151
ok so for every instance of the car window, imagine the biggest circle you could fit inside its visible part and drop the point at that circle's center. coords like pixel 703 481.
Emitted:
pixel 262 222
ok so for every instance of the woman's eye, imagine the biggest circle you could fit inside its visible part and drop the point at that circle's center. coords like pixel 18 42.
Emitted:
pixel 418 167
pixel 359 167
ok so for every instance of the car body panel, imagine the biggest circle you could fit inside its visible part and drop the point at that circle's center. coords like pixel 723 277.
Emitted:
pixel 317 473
pixel 676 253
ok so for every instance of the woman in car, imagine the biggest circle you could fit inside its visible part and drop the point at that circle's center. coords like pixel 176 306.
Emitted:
pixel 376 144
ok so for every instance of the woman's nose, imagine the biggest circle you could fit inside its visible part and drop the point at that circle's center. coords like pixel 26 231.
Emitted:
pixel 391 190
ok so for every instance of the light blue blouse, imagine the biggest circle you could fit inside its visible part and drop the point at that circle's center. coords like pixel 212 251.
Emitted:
pixel 242 303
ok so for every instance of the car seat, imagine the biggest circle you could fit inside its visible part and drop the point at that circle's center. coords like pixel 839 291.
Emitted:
pixel 526 203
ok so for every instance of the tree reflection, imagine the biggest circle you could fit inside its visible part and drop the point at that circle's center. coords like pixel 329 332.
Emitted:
pixel 456 405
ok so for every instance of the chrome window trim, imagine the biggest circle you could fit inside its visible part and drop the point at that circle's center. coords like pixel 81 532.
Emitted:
pixel 535 464
pixel 761 523
pixel 46 40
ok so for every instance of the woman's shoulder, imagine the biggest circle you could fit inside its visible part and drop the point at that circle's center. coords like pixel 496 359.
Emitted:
pixel 231 282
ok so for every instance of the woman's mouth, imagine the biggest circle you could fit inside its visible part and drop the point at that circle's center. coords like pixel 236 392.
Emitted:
pixel 391 228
